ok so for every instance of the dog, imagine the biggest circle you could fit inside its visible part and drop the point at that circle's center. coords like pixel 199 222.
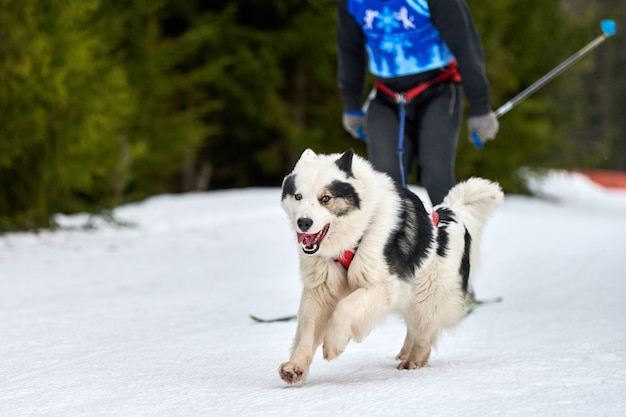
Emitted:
pixel 369 247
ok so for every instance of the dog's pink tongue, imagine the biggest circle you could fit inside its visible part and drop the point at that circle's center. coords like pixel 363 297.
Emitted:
pixel 305 238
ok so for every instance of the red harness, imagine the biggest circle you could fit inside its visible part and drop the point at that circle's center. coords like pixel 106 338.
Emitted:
pixel 449 72
pixel 345 258
pixel 435 218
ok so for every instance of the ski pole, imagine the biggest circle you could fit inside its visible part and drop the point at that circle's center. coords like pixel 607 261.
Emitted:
pixel 608 30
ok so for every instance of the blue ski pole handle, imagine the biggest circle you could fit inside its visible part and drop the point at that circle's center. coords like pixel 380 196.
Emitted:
pixel 477 142
pixel 359 131
pixel 608 27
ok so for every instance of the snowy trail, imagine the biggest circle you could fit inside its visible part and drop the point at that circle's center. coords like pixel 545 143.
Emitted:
pixel 153 320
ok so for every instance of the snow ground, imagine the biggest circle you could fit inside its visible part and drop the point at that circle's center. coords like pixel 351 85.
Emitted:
pixel 152 320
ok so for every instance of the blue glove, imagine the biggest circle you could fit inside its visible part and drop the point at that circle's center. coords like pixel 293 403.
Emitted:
pixel 354 123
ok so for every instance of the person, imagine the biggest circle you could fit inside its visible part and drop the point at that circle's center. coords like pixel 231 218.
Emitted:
pixel 423 55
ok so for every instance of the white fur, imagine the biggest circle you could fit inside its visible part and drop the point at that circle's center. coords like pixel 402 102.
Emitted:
pixel 338 305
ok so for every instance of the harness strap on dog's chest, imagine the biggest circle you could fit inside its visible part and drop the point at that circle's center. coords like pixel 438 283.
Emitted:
pixel 345 258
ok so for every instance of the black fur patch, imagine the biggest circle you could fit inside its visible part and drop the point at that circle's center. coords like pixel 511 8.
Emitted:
pixel 408 245
pixel 345 162
pixel 346 192
pixel 464 269
pixel 289 186
pixel 446 216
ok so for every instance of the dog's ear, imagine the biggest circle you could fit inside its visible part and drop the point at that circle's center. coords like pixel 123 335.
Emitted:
pixel 345 162
pixel 289 186
pixel 307 156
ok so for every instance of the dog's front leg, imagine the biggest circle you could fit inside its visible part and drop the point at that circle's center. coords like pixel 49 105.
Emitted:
pixel 355 316
pixel 316 307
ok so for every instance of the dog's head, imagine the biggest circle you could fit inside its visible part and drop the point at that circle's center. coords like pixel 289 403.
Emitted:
pixel 318 195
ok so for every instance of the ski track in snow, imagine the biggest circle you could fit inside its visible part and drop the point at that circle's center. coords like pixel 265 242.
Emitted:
pixel 152 320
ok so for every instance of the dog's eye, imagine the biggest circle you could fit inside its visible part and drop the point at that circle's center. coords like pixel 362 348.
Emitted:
pixel 297 196
pixel 325 199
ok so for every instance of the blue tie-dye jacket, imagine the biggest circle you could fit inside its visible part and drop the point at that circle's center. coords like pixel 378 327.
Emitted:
pixel 397 38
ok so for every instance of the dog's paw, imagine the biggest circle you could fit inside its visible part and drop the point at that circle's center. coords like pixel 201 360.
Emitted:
pixel 334 345
pixel 338 335
pixel 291 373
pixel 402 356
pixel 332 351
pixel 409 365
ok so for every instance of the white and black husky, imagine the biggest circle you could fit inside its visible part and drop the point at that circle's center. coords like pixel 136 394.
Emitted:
pixel 369 247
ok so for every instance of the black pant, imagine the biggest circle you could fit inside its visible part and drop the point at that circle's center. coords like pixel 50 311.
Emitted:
pixel 431 134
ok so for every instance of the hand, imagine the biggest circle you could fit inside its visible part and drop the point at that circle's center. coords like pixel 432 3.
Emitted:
pixel 354 123
pixel 485 127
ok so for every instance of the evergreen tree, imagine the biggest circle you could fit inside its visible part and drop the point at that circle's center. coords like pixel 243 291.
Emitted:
pixel 63 106
pixel 601 132
pixel 524 40
pixel 164 45
pixel 109 101
pixel 279 90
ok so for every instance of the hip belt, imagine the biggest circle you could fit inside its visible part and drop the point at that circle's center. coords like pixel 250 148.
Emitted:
pixel 449 72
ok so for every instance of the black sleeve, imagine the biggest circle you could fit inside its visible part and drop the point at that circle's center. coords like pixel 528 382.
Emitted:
pixel 453 20
pixel 352 58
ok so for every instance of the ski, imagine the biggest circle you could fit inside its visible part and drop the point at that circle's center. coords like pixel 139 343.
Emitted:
pixel 475 303
pixel 273 320
pixel 470 308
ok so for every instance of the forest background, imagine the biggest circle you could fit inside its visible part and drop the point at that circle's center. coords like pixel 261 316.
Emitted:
pixel 107 102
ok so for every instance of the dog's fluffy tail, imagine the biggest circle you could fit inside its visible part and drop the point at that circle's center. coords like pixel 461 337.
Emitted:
pixel 474 201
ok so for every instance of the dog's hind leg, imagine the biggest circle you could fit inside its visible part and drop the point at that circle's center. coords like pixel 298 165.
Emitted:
pixel 420 351
pixel 421 335
pixel 417 358
pixel 407 347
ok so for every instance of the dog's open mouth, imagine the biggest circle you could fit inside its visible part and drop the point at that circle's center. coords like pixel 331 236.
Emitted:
pixel 311 241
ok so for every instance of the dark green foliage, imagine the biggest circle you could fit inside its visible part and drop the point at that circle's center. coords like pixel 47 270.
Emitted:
pixel 601 131
pixel 166 49
pixel 63 109
pixel 102 102
pixel 523 41
pixel 279 92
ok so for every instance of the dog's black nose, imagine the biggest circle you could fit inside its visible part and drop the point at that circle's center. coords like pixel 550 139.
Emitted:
pixel 304 223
